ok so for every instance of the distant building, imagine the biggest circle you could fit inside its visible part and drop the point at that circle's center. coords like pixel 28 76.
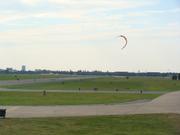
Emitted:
pixel 23 69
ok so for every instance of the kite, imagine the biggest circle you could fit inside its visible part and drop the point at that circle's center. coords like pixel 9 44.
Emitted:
pixel 125 41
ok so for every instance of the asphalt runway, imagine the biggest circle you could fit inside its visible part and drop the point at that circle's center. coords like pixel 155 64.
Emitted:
pixel 43 80
pixel 85 91
pixel 167 103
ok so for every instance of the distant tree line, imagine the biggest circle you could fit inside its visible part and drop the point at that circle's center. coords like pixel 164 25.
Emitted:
pixel 175 76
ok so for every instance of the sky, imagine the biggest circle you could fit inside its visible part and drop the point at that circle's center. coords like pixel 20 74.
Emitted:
pixel 83 35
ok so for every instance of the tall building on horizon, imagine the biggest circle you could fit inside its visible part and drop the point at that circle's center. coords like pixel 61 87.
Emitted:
pixel 23 68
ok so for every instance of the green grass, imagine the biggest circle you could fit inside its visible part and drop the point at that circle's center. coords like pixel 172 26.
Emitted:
pixel 26 76
pixel 108 83
pixel 37 98
pixel 100 125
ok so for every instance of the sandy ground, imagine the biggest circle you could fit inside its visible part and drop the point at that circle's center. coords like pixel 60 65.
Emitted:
pixel 167 103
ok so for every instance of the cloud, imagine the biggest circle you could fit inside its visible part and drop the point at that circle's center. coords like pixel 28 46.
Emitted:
pixel 174 10
pixel 78 10
pixel 31 2
pixel 8 17
pixel 154 12
pixel 102 3
pixel 15 16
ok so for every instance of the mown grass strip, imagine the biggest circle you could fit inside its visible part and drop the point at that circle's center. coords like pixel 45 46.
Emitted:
pixel 101 125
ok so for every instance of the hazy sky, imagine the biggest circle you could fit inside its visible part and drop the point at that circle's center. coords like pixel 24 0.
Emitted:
pixel 82 34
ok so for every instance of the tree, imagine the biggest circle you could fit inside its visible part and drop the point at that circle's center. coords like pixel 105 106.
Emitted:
pixel 174 77
pixel 178 76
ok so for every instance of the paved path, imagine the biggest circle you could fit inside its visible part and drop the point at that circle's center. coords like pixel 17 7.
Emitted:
pixel 44 80
pixel 85 91
pixel 167 103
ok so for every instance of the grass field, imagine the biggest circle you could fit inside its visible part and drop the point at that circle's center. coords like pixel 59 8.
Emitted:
pixel 26 76
pixel 37 98
pixel 100 125
pixel 108 83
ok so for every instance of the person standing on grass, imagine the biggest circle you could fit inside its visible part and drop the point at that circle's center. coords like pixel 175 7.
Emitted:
pixel 44 93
